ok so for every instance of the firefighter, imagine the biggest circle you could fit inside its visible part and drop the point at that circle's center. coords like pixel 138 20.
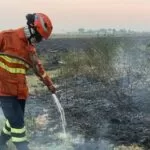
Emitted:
pixel 17 55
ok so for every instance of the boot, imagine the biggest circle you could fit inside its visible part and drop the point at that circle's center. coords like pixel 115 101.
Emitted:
pixel 3 139
pixel 21 146
pixel 3 147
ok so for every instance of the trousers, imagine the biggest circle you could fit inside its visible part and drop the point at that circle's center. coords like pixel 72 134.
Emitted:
pixel 14 128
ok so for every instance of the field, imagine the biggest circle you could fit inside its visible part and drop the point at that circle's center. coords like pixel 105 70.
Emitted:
pixel 103 86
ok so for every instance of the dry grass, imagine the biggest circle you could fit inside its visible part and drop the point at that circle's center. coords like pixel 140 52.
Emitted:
pixel 133 147
pixel 35 85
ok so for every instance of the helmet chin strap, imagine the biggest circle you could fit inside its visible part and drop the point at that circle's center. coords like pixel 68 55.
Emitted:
pixel 30 34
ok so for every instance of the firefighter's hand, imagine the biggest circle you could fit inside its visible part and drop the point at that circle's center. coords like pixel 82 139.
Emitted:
pixel 52 88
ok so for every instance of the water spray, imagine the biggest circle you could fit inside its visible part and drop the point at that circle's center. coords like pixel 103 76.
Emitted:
pixel 61 110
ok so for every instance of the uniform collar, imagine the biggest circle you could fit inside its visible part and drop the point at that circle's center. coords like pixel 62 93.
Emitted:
pixel 21 34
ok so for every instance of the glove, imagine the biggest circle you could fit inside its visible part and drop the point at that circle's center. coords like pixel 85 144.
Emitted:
pixel 48 82
pixel 52 88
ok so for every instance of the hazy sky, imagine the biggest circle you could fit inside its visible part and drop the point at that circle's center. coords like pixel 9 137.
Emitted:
pixel 68 15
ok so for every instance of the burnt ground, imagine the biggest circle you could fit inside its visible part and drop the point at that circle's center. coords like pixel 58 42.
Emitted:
pixel 96 112
pixel 115 110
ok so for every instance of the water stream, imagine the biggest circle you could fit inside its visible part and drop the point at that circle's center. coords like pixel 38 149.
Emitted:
pixel 62 114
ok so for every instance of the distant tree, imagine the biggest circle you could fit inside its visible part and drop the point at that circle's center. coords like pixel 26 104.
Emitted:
pixel 123 31
pixel 114 31
pixel 90 31
pixel 102 31
pixel 110 31
pixel 81 30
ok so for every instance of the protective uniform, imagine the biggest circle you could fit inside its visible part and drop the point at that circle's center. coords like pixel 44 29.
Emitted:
pixel 16 44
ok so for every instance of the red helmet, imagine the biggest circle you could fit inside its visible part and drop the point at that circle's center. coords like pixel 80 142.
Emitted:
pixel 43 25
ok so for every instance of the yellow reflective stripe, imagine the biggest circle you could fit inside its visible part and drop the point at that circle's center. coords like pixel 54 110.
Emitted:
pixel 12 70
pixel 44 75
pixel 5 131
pixel 18 139
pixel 14 60
pixel 7 124
pixel 14 130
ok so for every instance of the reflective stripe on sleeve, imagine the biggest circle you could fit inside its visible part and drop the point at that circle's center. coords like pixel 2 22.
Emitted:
pixel 44 75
